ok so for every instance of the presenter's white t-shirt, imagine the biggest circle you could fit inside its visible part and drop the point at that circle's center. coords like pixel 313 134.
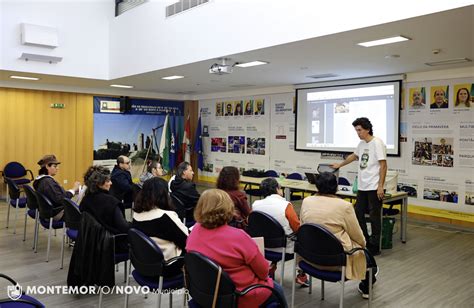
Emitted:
pixel 369 154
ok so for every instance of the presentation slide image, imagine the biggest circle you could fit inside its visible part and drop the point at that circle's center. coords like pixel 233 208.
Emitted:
pixel 469 198
pixel 218 144
pixel 236 144
pixel 430 151
pixel 440 195
pixel 219 109
pixel 248 110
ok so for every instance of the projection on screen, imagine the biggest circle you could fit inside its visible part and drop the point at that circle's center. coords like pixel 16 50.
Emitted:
pixel 324 116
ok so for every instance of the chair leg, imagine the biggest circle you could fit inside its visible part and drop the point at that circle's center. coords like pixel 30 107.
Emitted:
pixel 49 238
pixel 127 283
pixel 322 290
pixel 35 241
pixel 171 299
pixel 283 266
pixel 293 283
pixel 370 287
pixel 16 214
pixel 343 280
pixel 8 214
pixel 125 271
pixel 62 245
pixel 100 297
pixel 24 227
pixel 310 291
pixel 160 287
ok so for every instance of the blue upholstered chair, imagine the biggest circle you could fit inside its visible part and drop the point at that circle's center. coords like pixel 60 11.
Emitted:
pixel 274 236
pixel 32 211
pixel 72 223
pixel 201 280
pixel 343 181
pixel 150 266
pixel 295 176
pixel 21 300
pixel 46 214
pixel 316 245
pixel 18 173
pixel 15 201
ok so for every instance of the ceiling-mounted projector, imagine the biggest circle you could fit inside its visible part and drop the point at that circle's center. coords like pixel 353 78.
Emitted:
pixel 220 69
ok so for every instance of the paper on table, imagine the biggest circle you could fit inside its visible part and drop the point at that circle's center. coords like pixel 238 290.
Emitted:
pixel 260 243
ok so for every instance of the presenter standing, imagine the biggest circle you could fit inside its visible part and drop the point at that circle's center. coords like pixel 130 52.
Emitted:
pixel 372 156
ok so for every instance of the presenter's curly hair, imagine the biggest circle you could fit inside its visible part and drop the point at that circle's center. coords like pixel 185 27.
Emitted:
pixel 214 209
pixel 228 178
pixel 364 123
pixel 94 177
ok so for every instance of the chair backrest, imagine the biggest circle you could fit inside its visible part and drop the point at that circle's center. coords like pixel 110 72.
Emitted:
pixel 343 181
pixel 295 176
pixel 145 255
pixel 181 208
pixel 72 214
pixel 135 190
pixel 319 246
pixel 14 170
pixel 201 277
pixel 13 189
pixel 271 173
pixel 262 224
pixel 45 206
pixel 31 200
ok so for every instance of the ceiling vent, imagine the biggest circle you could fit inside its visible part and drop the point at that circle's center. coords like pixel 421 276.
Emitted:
pixel 183 5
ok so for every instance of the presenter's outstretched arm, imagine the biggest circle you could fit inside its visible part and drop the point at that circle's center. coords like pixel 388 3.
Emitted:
pixel 349 159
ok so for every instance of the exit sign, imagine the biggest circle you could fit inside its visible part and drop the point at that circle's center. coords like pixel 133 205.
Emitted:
pixel 58 106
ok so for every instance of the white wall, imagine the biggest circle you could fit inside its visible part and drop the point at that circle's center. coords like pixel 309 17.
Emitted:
pixel 144 40
pixel 83 28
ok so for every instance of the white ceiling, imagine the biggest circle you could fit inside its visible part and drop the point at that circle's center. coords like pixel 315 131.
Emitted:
pixel 451 31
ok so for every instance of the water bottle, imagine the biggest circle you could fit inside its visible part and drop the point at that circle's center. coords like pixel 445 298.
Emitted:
pixel 354 185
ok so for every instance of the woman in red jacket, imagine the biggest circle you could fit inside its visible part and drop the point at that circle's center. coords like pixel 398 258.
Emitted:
pixel 229 181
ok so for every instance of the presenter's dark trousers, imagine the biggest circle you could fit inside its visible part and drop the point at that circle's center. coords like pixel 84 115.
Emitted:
pixel 368 202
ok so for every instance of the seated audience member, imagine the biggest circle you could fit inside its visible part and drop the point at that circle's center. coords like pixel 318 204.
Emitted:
pixel 104 207
pixel 229 181
pixel 183 188
pixel 231 248
pixel 153 214
pixel 47 185
pixel 275 205
pixel 122 181
pixel 153 169
pixel 338 216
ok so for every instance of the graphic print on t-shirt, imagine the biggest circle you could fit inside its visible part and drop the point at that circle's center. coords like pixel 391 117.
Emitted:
pixel 364 159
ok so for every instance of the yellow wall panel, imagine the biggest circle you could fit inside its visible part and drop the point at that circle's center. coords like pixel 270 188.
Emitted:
pixel 30 128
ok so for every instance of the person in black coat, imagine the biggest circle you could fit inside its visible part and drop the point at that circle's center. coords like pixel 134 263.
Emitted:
pixel 47 185
pixel 184 189
pixel 122 181
pixel 104 207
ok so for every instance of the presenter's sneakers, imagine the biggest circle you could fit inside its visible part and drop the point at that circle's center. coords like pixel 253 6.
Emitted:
pixel 363 290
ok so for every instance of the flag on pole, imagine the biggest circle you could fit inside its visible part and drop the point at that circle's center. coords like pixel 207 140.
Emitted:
pixel 173 153
pixel 198 145
pixel 165 144
pixel 186 143
pixel 179 141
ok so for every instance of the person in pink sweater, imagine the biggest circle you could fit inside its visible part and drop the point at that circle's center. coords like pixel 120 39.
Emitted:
pixel 231 248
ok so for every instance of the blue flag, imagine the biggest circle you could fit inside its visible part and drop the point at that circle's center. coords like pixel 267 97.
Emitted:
pixel 198 145
pixel 173 151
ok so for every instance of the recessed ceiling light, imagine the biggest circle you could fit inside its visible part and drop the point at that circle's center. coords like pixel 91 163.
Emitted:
pixel 328 75
pixel 24 78
pixel 449 61
pixel 392 56
pixel 121 86
pixel 253 63
pixel 388 40
pixel 172 77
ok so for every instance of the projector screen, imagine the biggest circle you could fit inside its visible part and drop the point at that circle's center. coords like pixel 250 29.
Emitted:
pixel 324 116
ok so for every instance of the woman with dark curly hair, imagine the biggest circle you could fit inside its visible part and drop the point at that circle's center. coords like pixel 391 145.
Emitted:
pixel 229 181
pixel 154 215
pixel 97 201
pixel 231 248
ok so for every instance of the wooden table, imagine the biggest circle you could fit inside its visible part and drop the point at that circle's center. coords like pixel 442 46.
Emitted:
pixel 305 186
